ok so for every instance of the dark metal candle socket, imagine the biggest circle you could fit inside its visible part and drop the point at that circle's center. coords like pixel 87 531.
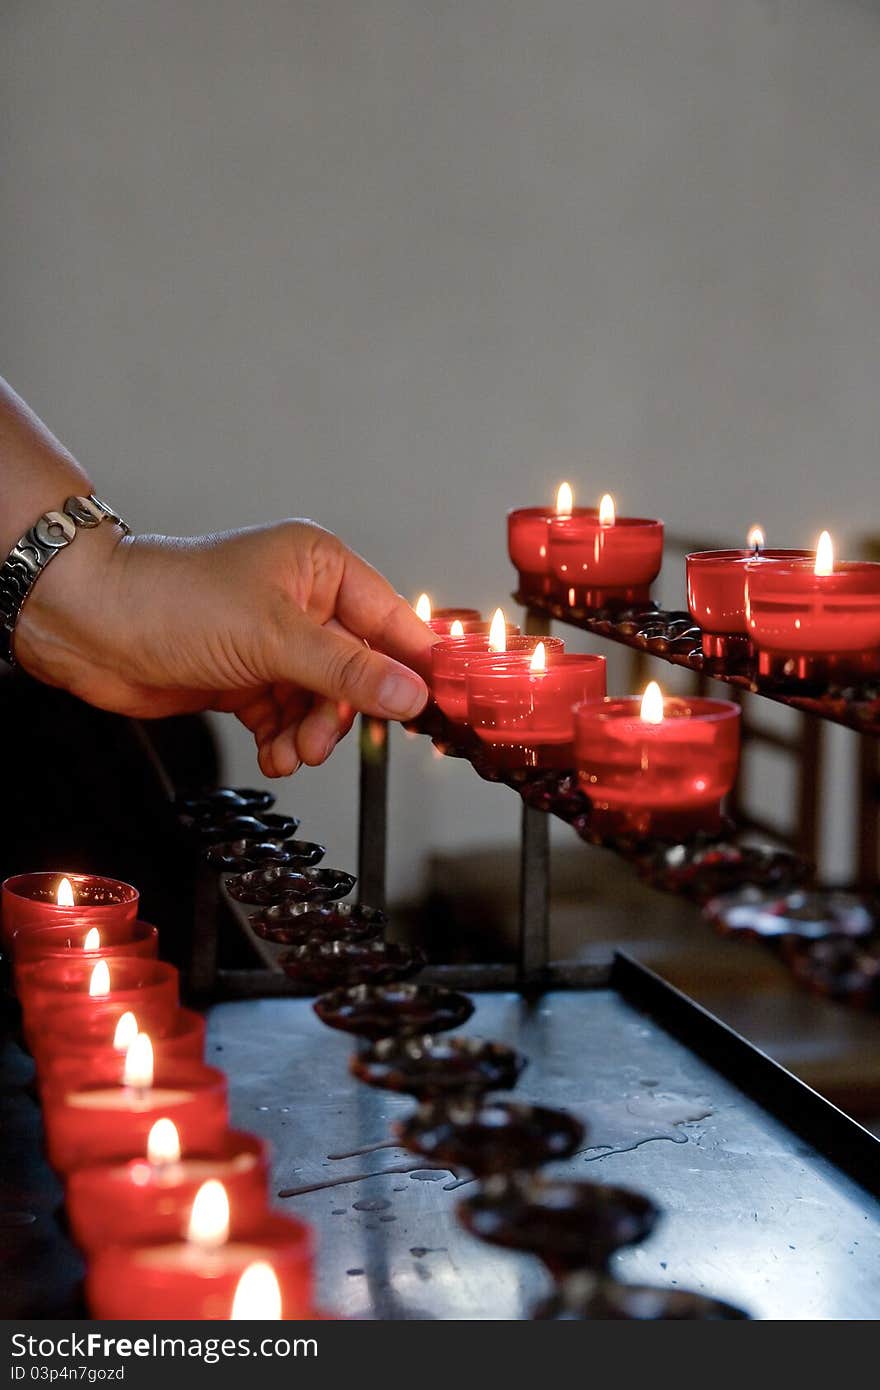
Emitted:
pixel 569 1225
pixel 585 1298
pixel 397 1010
pixel 280 884
pixel 293 924
pixel 427 1066
pixel 321 964
pixel 490 1136
pixel 242 855
pixel 702 870
pixel 752 915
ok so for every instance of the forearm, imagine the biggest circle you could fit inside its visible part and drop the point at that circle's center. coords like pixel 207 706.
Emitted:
pixel 37 473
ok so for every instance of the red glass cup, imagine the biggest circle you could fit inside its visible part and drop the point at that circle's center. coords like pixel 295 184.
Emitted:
pixel 441 619
pixel 134 1202
pixel 716 591
pixel 450 660
pixel 809 626
pixel 133 939
pixel 525 717
pixel 158 1282
pixel 102 1122
pixel 79 1055
pixel 596 565
pixel 149 988
pixel 482 628
pixel 29 900
pixel 667 779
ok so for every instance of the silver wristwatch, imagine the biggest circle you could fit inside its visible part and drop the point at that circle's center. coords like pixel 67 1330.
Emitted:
pixel 29 557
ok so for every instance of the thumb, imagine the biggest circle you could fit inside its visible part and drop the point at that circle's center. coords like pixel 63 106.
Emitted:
pixel 331 664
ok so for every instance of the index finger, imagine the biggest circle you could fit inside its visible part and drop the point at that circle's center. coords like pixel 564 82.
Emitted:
pixel 368 606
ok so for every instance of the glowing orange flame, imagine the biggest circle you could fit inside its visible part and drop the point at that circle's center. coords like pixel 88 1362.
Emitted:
pixel 564 500
pixel 539 658
pixel 606 510
pixel 126 1032
pixel 163 1143
pixel 755 539
pixel 824 555
pixel 257 1295
pixel 64 897
pixel 138 1069
pixel 652 704
pixel 92 939
pixel 423 608
pixel 99 984
pixel 457 630
pixel 209 1219
pixel 498 633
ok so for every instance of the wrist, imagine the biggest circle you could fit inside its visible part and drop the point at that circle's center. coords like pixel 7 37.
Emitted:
pixel 67 628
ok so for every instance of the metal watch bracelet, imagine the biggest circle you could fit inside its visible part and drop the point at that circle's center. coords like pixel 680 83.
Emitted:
pixel 29 557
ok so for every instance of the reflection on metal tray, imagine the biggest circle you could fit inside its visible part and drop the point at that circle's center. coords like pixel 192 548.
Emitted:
pixel 751 1211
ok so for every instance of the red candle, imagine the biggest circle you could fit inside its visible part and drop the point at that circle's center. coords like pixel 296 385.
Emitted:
pixel 208 1276
pixel 716 590
pixel 528 539
pixel 138 939
pixel 149 988
pixel 450 660
pixel 82 1055
pixel 150 1197
pixel 657 766
pixel 815 620
pixel 442 619
pixel 57 900
pixel 599 558
pixel 102 1122
pixel 524 710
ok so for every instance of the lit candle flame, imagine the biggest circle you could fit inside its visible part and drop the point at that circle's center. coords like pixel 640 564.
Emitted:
pixel 423 608
pixel 498 633
pixel 539 658
pixel 93 939
pixel 564 500
pixel 257 1295
pixel 138 1069
pixel 163 1143
pixel 652 704
pixel 99 984
pixel 755 539
pixel 126 1031
pixel 824 555
pixel 209 1220
pixel 457 630
pixel 64 897
pixel 606 510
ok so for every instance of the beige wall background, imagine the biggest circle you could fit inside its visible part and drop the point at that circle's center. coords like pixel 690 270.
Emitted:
pixel 401 264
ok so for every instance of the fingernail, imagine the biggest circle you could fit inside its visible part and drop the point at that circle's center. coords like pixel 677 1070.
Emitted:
pixel 401 695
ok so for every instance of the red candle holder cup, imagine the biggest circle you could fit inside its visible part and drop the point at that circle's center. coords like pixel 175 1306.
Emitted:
pixel 815 627
pixel 30 900
pixel 133 939
pixel 716 591
pixel 482 628
pixel 525 717
pixel 663 780
pixel 135 1202
pixel 102 1123
pixel 441 619
pixel 450 660
pixel 528 546
pixel 65 1059
pixel 149 988
pixel 168 1281
pixel 598 565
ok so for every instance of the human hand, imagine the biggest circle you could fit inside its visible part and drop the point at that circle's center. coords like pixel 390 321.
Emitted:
pixel 281 625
